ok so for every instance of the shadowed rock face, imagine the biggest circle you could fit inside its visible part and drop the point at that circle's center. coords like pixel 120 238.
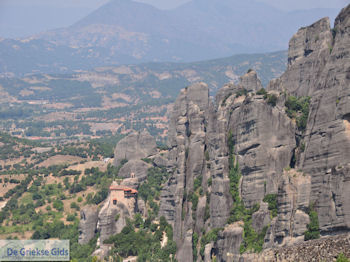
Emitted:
pixel 135 146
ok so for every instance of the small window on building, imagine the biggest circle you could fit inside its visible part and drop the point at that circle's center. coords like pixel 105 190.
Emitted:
pixel 114 201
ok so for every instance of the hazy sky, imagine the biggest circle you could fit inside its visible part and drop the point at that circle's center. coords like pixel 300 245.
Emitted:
pixel 20 18
pixel 92 4
pixel 281 4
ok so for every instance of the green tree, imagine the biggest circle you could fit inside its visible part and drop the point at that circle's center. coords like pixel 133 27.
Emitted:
pixel 313 231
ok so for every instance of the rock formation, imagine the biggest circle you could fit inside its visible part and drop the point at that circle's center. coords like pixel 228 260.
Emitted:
pixel 264 139
pixel 327 140
pixel 293 204
pixel 303 168
pixel 135 146
pixel 250 81
pixel 286 173
pixel 308 51
pixel 134 169
pixel 120 204
pixel 187 142
pixel 88 224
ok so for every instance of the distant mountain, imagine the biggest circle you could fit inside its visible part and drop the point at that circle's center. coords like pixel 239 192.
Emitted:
pixel 124 32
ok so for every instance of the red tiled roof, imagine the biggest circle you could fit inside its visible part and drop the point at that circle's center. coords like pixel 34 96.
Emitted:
pixel 125 189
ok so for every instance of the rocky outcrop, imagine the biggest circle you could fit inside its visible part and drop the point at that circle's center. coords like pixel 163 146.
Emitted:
pixel 266 143
pixel 319 62
pixel 261 218
pixel 88 224
pixel 187 142
pixel 208 252
pixel 264 139
pixel 135 146
pixel 327 140
pixel 250 81
pixel 107 224
pixel 112 217
pixel 308 53
pixel 229 242
pixel 161 161
pixel 134 169
pixel 293 201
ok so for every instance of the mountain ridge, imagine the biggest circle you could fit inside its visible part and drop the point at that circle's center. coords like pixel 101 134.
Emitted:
pixel 124 32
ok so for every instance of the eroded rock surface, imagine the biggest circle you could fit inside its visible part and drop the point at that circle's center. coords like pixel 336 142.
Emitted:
pixel 264 139
pixel 250 81
pixel 135 169
pixel 327 140
pixel 187 140
pixel 229 242
pixel 88 224
pixel 135 146
pixel 308 53
pixel 197 198
pixel 293 201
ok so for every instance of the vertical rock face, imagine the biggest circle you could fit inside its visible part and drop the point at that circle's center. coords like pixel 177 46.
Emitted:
pixel 319 66
pixel 293 203
pixel 229 242
pixel 88 223
pixel 264 139
pixel 220 197
pixel 135 146
pixel 187 140
pixel 308 53
pixel 261 218
pixel 327 138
